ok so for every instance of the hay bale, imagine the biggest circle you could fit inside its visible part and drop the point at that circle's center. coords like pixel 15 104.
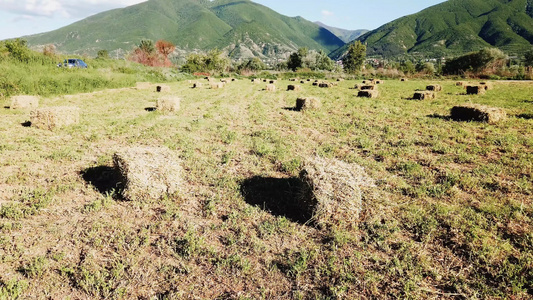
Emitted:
pixel 460 83
pixel 216 85
pixel 476 112
pixel 168 103
pixel 148 172
pixel 303 81
pixel 162 88
pixel 331 191
pixel 307 103
pixel 368 93
pixel 486 85
pixel 197 85
pixel 404 79
pixel 256 80
pixel 475 90
pixel 23 101
pixel 272 81
pixel 325 85
pixel 340 79
pixel 143 85
pixel 434 87
pixel 292 79
pixel 379 81
pixel 424 95
pixel 54 117
pixel 315 83
pixel 271 88
pixel 368 87
pixel 292 87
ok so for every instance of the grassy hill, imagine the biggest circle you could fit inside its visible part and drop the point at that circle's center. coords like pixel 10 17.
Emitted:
pixel 191 25
pixel 455 27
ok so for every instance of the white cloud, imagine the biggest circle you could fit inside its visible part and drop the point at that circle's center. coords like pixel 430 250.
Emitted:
pixel 66 8
pixel 327 13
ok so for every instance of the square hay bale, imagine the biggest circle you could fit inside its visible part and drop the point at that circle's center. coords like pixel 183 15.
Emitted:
pixel 378 81
pixel 292 87
pixel 315 83
pixel 162 88
pixel 216 85
pixel 143 85
pixel 256 80
pixel 270 88
pixel 292 79
pixel 424 95
pixel 168 104
pixel 434 87
pixel 23 101
pixel 368 87
pixel 477 112
pixel 331 191
pixel 54 117
pixel 340 79
pixel 368 93
pixel 325 85
pixel 272 81
pixel 475 90
pixel 307 103
pixel 148 172
pixel 404 79
pixel 303 81
pixel 197 85
pixel 487 85
pixel 460 83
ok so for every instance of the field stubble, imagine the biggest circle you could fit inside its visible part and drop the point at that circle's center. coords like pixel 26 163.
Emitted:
pixel 451 216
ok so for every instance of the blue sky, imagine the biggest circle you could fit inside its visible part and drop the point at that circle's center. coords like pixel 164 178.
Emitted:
pixel 25 17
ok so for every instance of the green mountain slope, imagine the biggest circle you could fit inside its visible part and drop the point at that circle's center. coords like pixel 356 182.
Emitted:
pixel 344 34
pixel 455 27
pixel 240 27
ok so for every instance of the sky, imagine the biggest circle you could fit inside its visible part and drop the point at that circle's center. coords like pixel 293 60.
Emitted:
pixel 25 17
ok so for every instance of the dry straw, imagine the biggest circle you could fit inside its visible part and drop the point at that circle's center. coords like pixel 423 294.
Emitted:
pixel 331 191
pixel 307 103
pixel 22 102
pixel 54 117
pixel 143 85
pixel 168 104
pixel 271 88
pixel 424 95
pixel 148 172
pixel 368 93
pixel 477 112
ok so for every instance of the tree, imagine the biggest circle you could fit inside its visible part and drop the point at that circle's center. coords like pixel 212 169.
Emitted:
pixel 294 62
pixel 165 48
pixel 323 62
pixel 213 61
pixel 102 54
pixel 252 64
pixel 355 58
pixel 484 60
pixel 528 58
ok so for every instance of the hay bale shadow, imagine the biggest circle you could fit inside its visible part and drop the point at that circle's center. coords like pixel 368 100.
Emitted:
pixel 525 116
pixel 26 124
pixel 292 108
pixel 438 116
pixel 106 180
pixel 150 108
pixel 275 195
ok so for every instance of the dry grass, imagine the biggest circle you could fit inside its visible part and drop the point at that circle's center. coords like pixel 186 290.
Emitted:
pixel 54 117
pixel 331 191
pixel 476 112
pixel 168 104
pixel 148 172
pixel 24 102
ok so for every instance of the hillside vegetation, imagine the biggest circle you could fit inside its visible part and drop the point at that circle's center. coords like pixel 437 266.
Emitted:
pixel 450 216
pixel 241 27
pixel 455 27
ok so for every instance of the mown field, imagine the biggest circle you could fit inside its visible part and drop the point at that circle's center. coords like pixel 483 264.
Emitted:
pixel 450 216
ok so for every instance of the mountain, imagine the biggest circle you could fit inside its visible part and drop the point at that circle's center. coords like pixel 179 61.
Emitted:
pixel 344 34
pixel 454 27
pixel 242 28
